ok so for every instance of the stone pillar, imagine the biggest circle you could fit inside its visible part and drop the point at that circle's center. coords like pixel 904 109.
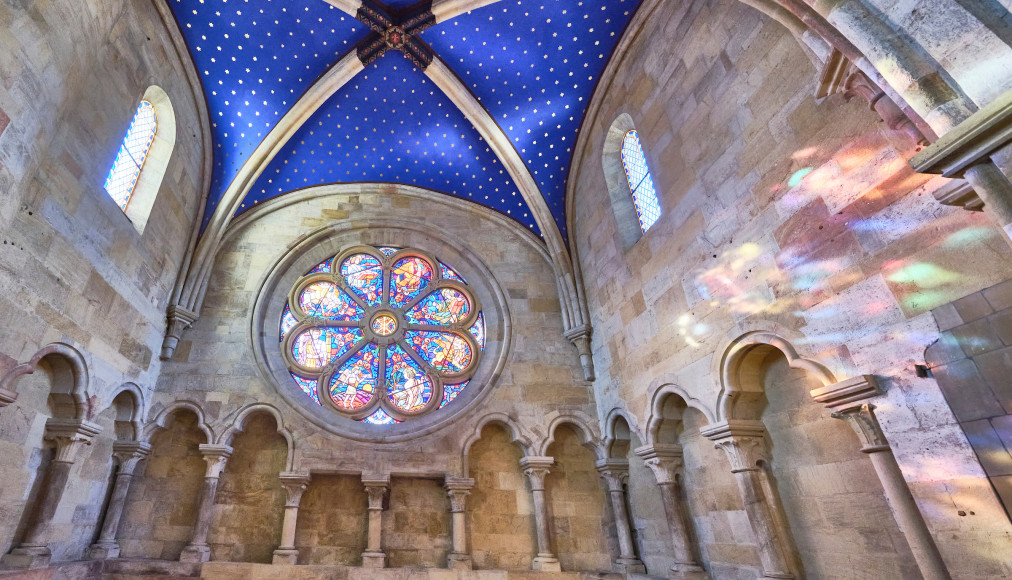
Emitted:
pixel 128 454
pixel 745 444
pixel 665 461
pixel 536 469
pixel 216 457
pixel 295 485
pixel 615 473
pixel 458 488
pixel 376 487
pixel 849 401
pixel 69 435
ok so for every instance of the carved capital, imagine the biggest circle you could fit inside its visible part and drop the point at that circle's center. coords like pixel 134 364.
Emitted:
pixel 865 424
pixel 744 442
pixel 179 319
pixel 295 485
pixel 615 473
pixel 129 454
pixel 663 459
pixel 376 487
pixel 216 457
pixel 458 488
pixel 580 337
pixel 537 469
pixel 69 435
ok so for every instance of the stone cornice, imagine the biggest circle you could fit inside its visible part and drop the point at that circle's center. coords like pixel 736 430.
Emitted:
pixel 848 392
pixel 662 450
pixel 970 142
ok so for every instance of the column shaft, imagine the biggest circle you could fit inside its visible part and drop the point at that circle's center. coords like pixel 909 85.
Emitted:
pixel 676 521
pixel 376 488
pixel 457 489
pixel 216 456
pixel 536 469
pixel 54 482
pixel 295 485
pixel 129 455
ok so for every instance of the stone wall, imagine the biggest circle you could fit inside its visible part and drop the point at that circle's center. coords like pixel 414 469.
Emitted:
pixel 780 213
pixel 332 521
pixel 416 527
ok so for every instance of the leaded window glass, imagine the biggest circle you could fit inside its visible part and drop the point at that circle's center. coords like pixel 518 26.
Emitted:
pixel 641 184
pixel 381 335
pixel 126 169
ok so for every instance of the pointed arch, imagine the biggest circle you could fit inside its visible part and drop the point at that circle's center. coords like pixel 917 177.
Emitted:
pixel 241 416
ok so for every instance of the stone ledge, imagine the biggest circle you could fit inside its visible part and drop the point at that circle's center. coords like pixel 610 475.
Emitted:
pixel 242 571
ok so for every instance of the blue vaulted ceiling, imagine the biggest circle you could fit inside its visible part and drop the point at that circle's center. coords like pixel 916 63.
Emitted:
pixel 533 65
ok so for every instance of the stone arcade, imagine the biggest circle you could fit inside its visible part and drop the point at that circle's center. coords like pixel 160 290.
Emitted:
pixel 479 289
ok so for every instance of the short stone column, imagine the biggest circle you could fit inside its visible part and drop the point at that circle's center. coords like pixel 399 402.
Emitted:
pixel 128 454
pixel 615 473
pixel 745 444
pixel 458 488
pixel 849 401
pixel 536 469
pixel 376 487
pixel 665 461
pixel 295 485
pixel 216 457
pixel 69 435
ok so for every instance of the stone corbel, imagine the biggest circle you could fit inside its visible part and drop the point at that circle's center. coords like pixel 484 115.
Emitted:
pixel 580 337
pixel 859 85
pixel 179 319
pixel 69 435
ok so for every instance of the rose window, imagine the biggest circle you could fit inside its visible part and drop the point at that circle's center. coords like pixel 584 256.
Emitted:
pixel 382 334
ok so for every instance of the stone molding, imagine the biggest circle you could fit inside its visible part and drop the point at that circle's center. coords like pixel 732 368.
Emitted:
pixel 663 459
pixel 744 442
pixel 216 456
pixel 537 468
pixel 847 392
pixel 971 142
pixel 69 436
pixel 458 488
pixel 958 193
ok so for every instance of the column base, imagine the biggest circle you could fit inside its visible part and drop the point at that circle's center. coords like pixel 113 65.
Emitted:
pixel 547 563
pixel 195 554
pixel 282 556
pixel 102 551
pixel 630 566
pixel 27 558
pixel 459 562
pixel 687 572
pixel 374 560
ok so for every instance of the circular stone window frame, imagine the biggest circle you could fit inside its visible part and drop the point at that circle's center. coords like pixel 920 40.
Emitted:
pixel 342 240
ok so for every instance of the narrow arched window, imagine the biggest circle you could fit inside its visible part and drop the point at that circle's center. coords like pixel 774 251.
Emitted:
pixel 126 169
pixel 641 184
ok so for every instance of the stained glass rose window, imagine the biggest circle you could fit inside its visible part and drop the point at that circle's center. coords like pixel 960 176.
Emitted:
pixel 382 334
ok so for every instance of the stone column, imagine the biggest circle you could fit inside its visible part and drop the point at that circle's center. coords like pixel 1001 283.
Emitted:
pixel 458 488
pixel 295 485
pixel 376 487
pixel 615 473
pixel 128 454
pixel 849 401
pixel 745 444
pixel 69 435
pixel 536 469
pixel 664 461
pixel 216 457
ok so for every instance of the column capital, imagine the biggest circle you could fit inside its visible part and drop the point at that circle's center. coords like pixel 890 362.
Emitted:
pixel 376 487
pixel 536 468
pixel 69 436
pixel 458 488
pixel 615 472
pixel 216 457
pixel 862 419
pixel 129 454
pixel 743 441
pixel 847 393
pixel 295 485
pixel 664 459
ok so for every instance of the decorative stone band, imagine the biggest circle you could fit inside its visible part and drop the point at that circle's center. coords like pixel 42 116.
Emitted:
pixel 295 485
pixel 458 488
pixel 536 468
pixel 743 441
pixel 376 487
pixel 663 459
pixel 615 472
pixel 216 457
pixel 69 436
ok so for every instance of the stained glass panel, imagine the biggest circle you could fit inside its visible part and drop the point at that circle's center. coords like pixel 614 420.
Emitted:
pixel 308 386
pixel 449 273
pixel 365 276
pixel 380 418
pixel 126 168
pixel 478 330
pixel 315 348
pixel 325 300
pixel 410 276
pixel 447 352
pixel 323 266
pixel 287 321
pixel 450 392
pixel 408 387
pixel 442 307
pixel 641 184
pixel 353 386
pixel 387 251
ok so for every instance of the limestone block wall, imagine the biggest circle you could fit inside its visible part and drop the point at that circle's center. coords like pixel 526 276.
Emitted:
pixel 783 214
pixel 416 528
pixel 332 521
